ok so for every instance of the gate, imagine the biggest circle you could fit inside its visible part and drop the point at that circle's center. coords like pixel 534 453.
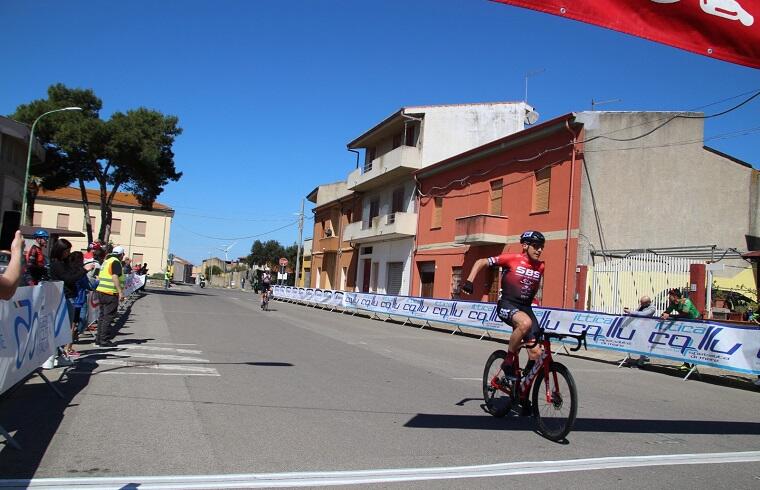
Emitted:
pixel 620 282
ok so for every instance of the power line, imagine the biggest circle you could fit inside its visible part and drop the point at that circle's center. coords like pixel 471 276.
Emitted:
pixel 240 237
pixel 464 181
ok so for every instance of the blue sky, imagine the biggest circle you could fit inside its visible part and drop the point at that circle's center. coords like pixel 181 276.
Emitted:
pixel 270 93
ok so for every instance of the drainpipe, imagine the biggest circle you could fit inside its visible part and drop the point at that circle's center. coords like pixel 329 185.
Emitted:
pixel 412 263
pixel 569 216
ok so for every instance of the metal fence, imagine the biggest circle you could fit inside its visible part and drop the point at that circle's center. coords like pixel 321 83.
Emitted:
pixel 620 282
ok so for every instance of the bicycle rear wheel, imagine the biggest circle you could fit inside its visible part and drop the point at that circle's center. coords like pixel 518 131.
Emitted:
pixel 497 391
pixel 555 409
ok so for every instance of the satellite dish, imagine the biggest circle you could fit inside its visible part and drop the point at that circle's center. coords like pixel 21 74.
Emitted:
pixel 531 116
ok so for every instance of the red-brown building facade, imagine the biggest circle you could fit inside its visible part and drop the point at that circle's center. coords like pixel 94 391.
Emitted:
pixel 477 204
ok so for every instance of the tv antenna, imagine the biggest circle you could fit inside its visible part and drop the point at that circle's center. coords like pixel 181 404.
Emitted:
pixel 595 103
pixel 528 75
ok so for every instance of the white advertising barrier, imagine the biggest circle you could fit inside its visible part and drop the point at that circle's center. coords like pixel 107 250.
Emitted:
pixel 33 323
pixel 132 283
pixel 709 343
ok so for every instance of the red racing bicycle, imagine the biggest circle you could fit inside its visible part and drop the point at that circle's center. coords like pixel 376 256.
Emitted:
pixel 554 407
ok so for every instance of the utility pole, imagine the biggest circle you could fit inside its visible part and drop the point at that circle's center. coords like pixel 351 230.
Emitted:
pixel 300 244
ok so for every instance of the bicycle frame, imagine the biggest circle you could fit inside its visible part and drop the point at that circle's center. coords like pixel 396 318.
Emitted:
pixel 544 361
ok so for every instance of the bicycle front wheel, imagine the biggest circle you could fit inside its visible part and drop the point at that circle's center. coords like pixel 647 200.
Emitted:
pixel 497 390
pixel 555 404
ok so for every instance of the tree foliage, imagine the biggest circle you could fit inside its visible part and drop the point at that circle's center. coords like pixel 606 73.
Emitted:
pixel 269 253
pixel 131 152
pixel 265 253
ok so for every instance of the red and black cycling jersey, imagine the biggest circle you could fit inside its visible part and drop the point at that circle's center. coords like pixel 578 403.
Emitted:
pixel 35 265
pixel 521 277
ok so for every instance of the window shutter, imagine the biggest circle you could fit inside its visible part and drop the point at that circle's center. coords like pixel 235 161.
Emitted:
pixel 541 194
pixel 496 193
pixel 437 212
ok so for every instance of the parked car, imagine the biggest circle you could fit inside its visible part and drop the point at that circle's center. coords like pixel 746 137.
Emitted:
pixel 5 259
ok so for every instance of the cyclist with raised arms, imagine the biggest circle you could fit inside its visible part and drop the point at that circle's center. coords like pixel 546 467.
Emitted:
pixel 519 285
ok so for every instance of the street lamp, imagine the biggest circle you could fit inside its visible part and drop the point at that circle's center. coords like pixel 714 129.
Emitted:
pixel 29 158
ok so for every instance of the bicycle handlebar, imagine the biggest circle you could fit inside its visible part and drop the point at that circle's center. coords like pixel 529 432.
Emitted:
pixel 580 339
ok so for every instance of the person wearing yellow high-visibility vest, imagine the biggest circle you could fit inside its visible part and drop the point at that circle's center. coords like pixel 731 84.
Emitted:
pixel 110 292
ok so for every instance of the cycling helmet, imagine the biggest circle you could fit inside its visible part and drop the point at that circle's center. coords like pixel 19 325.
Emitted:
pixel 532 237
pixel 42 234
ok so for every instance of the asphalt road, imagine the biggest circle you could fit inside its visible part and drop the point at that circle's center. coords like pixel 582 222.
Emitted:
pixel 205 383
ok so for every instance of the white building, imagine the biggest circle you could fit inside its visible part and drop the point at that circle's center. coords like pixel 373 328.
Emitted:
pixel 408 140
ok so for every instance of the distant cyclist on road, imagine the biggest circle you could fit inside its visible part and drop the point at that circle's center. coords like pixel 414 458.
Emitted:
pixel 266 283
pixel 519 285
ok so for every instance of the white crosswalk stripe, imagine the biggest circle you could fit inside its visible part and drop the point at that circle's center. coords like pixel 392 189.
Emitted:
pixel 149 359
pixel 165 349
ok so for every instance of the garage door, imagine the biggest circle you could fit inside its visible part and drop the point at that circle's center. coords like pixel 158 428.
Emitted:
pixel 395 274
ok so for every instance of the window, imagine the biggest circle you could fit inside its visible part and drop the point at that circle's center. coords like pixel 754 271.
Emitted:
pixel 366 251
pixel 496 191
pixel 409 137
pixel 140 228
pixel 115 226
pixel 456 279
pixel 374 209
pixel 37 219
pixel 437 213
pixel 495 281
pixel 137 259
pixel 370 155
pixel 62 222
pixel 541 190
pixel 398 200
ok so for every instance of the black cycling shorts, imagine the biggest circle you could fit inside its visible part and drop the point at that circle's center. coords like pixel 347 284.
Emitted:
pixel 506 310
pixel 265 286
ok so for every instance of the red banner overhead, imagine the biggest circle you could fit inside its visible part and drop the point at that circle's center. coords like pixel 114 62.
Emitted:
pixel 724 29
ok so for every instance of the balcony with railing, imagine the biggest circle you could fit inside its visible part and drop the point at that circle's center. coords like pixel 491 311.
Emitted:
pixel 481 229
pixel 396 163
pixel 386 227
pixel 329 244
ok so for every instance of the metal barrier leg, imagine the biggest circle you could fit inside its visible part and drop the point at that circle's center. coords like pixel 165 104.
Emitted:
pixel 457 330
pixel 485 332
pixel 49 383
pixel 9 439
pixel 692 370
pixel 624 361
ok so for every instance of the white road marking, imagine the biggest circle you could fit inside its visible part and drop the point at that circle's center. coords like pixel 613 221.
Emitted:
pixel 362 477
pixel 166 343
pixel 165 349
pixel 164 357
pixel 160 374
pixel 166 367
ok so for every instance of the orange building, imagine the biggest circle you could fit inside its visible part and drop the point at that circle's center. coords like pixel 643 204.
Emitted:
pixel 333 260
pixel 477 204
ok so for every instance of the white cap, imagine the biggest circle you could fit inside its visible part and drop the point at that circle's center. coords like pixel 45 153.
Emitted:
pixel 118 250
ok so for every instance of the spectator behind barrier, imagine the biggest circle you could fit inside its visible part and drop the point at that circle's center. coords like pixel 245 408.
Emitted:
pixel 646 308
